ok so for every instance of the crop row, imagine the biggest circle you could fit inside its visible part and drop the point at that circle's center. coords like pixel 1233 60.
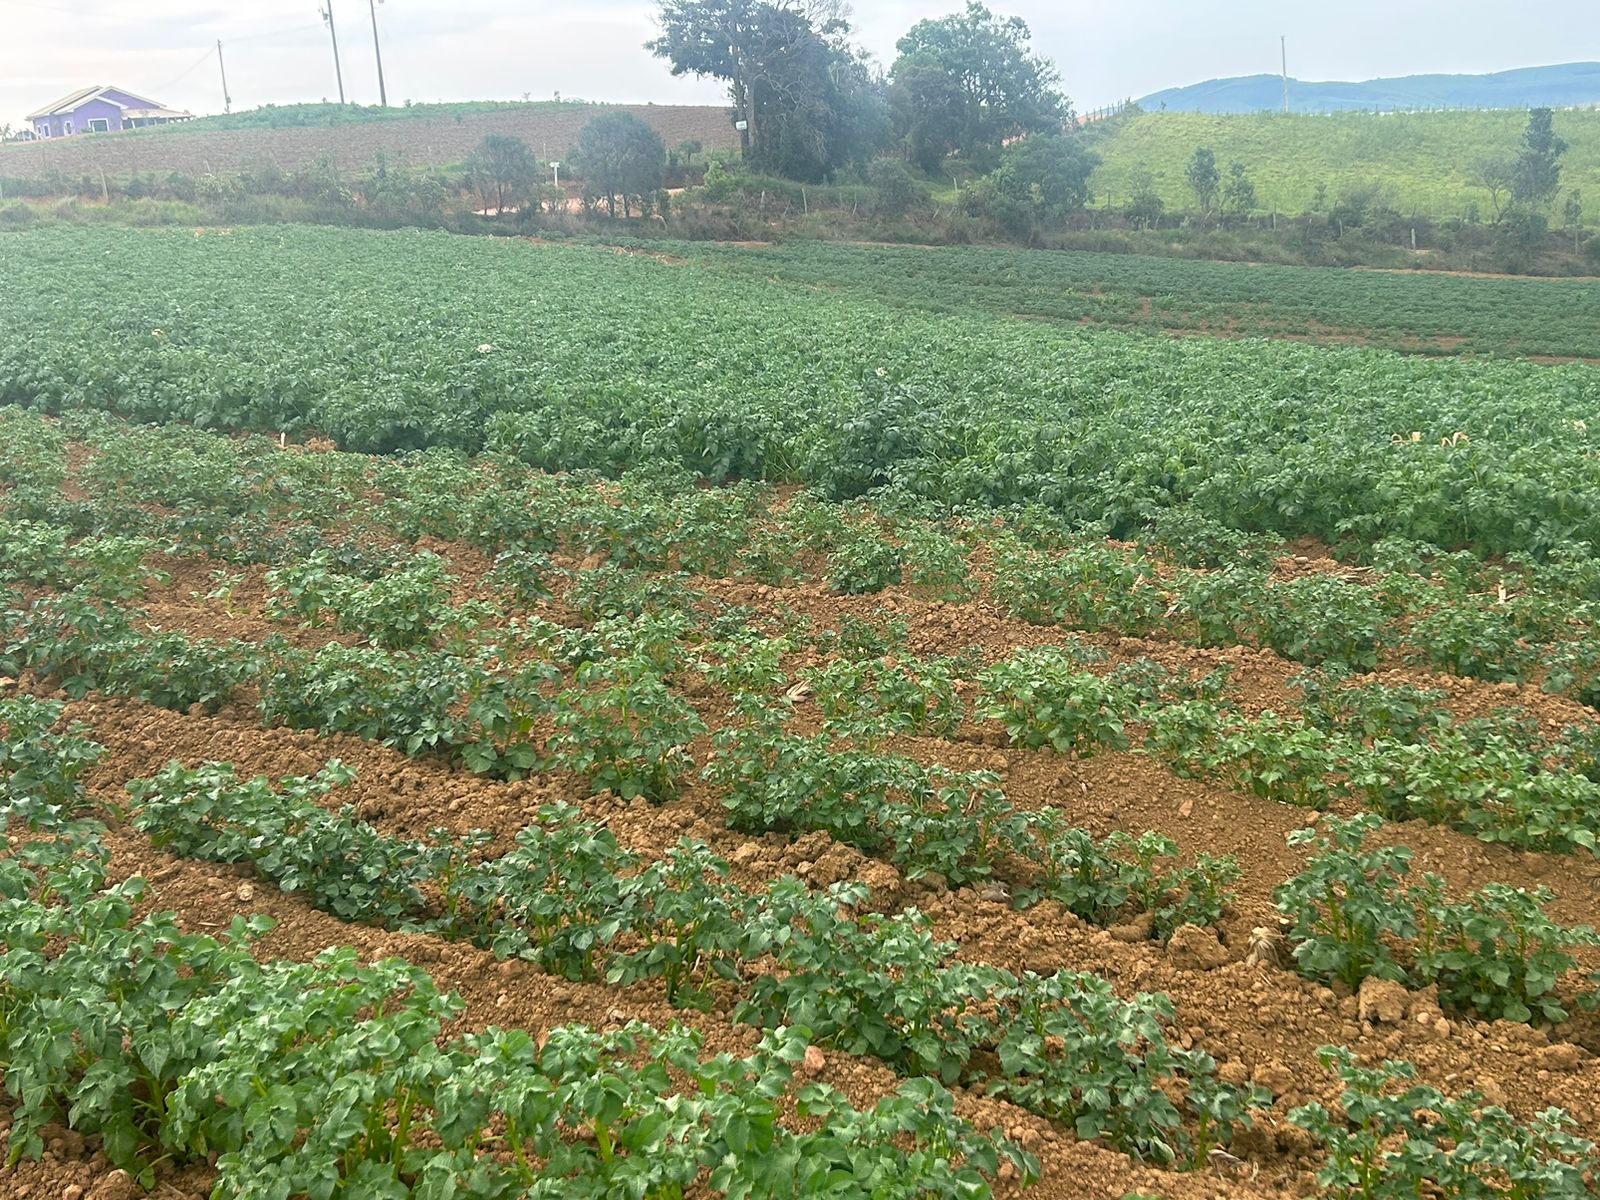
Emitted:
pixel 569 898
pixel 510 702
pixel 581 358
pixel 1196 579
pixel 567 893
pixel 333 1077
pixel 1442 313
pixel 308 1078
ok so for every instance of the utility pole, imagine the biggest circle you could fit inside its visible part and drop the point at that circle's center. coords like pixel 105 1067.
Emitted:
pixel 227 100
pixel 1283 47
pixel 338 71
pixel 377 50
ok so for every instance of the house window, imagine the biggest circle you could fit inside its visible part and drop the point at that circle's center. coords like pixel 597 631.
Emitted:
pixel 66 128
pixel 99 125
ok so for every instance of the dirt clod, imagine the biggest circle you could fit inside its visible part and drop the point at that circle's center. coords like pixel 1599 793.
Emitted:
pixel 1382 1001
pixel 1192 948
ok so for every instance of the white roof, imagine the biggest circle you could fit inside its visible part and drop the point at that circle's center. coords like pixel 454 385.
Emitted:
pixel 83 95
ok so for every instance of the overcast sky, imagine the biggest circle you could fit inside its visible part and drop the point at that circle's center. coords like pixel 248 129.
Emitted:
pixel 277 51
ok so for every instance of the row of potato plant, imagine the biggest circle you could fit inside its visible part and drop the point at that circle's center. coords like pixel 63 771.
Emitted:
pixel 570 898
pixel 1524 620
pixel 1355 911
pixel 620 724
pixel 336 1078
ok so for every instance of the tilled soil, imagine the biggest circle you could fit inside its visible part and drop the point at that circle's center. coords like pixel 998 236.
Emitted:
pixel 1261 1022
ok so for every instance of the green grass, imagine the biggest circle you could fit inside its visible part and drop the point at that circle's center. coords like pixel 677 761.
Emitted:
pixel 327 116
pixel 1425 157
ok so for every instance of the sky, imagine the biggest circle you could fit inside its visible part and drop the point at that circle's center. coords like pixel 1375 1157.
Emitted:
pixel 278 51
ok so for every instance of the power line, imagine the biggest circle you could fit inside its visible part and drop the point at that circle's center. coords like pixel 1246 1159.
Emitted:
pixel 203 59
pixel 276 33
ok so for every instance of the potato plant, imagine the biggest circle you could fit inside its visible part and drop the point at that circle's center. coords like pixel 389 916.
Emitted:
pixel 1042 699
pixel 41 768
pixel 1393 1136
pixel 1356 912
pixel 923 819
pixel 1066 1045
pixel 869 700
pixel 344 865
pixel 622 728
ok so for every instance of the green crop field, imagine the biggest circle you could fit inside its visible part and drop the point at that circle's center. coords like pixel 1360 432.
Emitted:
pixel 1424 157
pixel 501 720
pixel 583 357
pixel 1429 313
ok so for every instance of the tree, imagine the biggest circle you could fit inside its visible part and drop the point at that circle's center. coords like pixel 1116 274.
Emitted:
pixel 897 191
pixel 968 83
pixel 502 167
pixel 819 108
pixel 1360 203
pixel 1524 233
pixel 1536 175
pixel 1494 174
pixel 1238 194
pixel 1203 178
pixel 620 155
pixel 1572 217
pixel 1041 179
pixel 1145 204
pixel 808 103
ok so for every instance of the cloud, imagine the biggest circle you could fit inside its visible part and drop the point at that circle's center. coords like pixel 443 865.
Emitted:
pixel 277 51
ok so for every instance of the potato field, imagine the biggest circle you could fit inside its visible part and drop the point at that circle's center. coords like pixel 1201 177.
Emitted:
pixel 483 720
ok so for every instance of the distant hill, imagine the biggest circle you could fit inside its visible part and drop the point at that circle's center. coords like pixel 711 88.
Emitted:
pixel 1565 86
pixel 1423 160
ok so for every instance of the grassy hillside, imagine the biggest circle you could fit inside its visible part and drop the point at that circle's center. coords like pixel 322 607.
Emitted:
pixel 325 115
pixel 1425 157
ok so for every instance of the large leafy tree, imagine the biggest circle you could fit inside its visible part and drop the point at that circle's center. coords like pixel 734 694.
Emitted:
pixel 807 100
pixel 1046 176
pixel 621 156
pixel 1536 174
pixel 1495 174
pixel 968 83
pixel 1238 193
pixel 502 168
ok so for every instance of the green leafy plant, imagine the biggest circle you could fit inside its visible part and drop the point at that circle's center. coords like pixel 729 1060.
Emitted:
pixel 1397 1137
pixel 1355 912
pixel 344 865
pixel 624 729
pixel 1042 699
pixel 874 699
pixel 862 563
pixel 40 767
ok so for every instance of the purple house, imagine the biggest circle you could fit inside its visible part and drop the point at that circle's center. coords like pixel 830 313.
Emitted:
pixel 101 109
